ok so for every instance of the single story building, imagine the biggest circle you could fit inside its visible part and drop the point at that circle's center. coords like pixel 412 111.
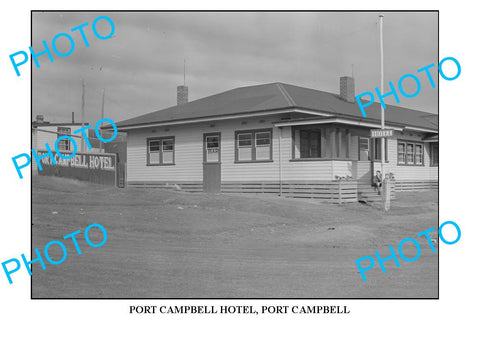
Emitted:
pixel 280 138
pixel 46 132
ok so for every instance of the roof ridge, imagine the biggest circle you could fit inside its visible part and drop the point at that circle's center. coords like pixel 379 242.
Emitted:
pixel 285 93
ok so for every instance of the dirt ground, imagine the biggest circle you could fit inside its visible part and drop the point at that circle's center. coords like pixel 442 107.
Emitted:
pixel 171 244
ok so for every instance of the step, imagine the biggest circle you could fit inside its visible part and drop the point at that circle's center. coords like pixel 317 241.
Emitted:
pixel 372 198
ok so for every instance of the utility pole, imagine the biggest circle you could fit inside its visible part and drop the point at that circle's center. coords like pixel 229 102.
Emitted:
pixel 83 114
pixel 102 116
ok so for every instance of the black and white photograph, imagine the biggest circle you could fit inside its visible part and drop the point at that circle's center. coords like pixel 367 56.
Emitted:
pixel 235 155
pixel 239 170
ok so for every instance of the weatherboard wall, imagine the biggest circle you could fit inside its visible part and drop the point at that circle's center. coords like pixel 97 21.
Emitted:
pixel 48 134
pixel 188 166
pixel 423 172
pixel 189 155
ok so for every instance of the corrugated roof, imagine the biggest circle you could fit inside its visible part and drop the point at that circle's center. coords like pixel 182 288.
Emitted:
pixel 275 96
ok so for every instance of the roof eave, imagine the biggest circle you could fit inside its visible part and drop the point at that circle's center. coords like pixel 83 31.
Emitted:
pixel 343 119
pixel 349 120
pixel 420 129
pixel 222 117
pixel 337 120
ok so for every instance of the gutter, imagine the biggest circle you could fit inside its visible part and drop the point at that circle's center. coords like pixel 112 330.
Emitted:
pixel 217 118
pixel 335 120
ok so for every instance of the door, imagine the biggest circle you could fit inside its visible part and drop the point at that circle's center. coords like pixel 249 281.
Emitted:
pixel 364 164
pixel 363 149
pixel 212 162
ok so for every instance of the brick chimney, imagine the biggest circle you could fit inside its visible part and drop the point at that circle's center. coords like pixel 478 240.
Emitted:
pixel 347 89
pixel 182 94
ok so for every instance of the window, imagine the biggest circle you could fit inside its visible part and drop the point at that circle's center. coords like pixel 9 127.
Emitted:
pixel 307 142
pixel 317 142
pixel 434 154
pixel 263 141
pixel 244 147
pixel 310 144
pixel 253 146
pixel 160 151
pixel 212 148
pixel 167 151
pixel 377 149
pixel 401 153
pixel 409 153
pixel 64 144
pixel 418 154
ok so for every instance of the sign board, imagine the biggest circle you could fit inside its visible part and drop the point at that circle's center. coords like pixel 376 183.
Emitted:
pixel 379 133
pixel 96 168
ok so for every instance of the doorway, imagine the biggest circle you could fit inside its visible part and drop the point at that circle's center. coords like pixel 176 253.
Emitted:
pixel 364 163
pixel 212 162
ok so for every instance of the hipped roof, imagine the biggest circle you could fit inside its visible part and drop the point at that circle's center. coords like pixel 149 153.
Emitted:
pixel 280 96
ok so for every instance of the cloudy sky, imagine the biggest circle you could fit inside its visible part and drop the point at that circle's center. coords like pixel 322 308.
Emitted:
pixel 141 65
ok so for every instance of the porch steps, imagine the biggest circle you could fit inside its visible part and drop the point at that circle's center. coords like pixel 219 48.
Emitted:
pixel 368 193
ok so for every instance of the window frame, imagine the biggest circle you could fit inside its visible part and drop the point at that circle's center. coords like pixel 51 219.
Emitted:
pixel 413 153
pixel 343 136
pixel 404 162
pixel 160 151
pixel 67 132
pixel 309 132
pixel 434 161
pixel 205 147
pixel 369 143
pixel 253 138
pixel 410 153
pixel 422 152
pixel 321 144
pixel 374 150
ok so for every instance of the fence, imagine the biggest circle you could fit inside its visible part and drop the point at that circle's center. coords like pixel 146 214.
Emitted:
pixel 331 191
pixel 328 191
pixel 416 185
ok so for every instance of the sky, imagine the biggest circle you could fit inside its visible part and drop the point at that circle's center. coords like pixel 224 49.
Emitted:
pixel 142 64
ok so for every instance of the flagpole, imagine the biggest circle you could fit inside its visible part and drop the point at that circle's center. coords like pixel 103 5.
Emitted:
pixel 382 141
pixel 385 181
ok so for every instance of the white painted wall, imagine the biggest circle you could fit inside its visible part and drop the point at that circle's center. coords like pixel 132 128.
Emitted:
pixel 189 156
pixel 423 172
pixel 48 134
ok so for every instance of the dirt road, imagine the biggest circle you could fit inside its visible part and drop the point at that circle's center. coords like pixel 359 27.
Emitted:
pixel 170 244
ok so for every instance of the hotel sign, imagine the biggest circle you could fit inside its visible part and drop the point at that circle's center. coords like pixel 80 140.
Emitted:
pixel 102 162
pixel 379 133
pixel 93 167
